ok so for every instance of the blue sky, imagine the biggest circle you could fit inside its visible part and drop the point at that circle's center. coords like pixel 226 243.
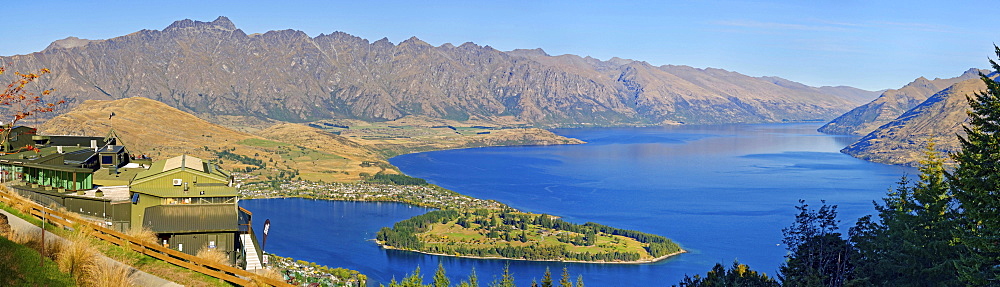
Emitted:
pixel 879 45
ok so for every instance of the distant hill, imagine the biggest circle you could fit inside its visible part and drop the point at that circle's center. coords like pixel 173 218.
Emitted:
pixel 277 149
pixel 214 70
pixel 890 105
pixel 153 128
pixel 902 140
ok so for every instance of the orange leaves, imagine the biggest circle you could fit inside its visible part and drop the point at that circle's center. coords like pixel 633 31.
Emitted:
pixel 30 148
pixel 23 103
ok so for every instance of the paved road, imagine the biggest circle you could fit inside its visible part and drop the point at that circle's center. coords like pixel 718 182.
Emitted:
pixel 141 278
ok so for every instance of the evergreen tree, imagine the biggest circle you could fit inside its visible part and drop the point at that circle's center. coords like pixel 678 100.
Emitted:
pixel 912 243
pixel 547 279
pixel 579 281
pixel 738 276
pixel 976 183
pixel 818 256
pixel 564 279
pixel 473 279
pixel 440 279
pixel 506 280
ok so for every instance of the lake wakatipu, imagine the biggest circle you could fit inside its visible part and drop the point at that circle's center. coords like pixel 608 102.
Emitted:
pixel 723 192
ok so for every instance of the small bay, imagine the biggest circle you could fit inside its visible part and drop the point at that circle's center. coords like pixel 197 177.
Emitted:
pixel 722 192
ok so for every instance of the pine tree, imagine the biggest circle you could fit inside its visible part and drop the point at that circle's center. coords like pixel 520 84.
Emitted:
pixel 976 183
pixel 506 280
pixel 579 281
pixel 564 279
pixel 547 279
pixel 818 256
pixel 440 279
pixel 912 242
pixel 473 279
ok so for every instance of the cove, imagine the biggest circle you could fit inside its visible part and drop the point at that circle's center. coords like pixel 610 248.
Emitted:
pixel 722 192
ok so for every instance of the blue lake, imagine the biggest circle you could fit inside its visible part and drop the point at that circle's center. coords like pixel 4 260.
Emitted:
pixel 723 192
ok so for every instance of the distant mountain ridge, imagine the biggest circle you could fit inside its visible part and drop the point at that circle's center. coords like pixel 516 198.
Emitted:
pixel 939 118
pixel 214 68
pixel 891 104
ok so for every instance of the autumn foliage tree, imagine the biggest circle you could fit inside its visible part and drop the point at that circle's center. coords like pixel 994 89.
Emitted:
pixel 19 102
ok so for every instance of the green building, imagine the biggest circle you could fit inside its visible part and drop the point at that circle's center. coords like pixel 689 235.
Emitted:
pixel 189 203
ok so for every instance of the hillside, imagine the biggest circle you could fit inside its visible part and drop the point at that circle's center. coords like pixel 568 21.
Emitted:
pixel 282 150
pixel 216 71
pixel 890 105
pixel 160 131
pixel 902 140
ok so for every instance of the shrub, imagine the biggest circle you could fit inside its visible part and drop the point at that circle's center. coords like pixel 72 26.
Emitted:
pixel 76 256
pixel 213 255
pixel 108 273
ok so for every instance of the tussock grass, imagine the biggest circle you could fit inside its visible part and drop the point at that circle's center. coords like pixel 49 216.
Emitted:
pixel 107 273
pixel 265 273
pixel 213 255
pixel 143 235
pixel 76 256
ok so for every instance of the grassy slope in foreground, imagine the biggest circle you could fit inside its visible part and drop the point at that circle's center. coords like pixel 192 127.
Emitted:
pixel 516 235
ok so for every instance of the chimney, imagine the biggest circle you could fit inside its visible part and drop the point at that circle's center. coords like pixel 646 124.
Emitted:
pixel 93 145
pixel 59 149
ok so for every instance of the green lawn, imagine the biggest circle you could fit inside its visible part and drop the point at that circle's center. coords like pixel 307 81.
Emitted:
pixel 19 266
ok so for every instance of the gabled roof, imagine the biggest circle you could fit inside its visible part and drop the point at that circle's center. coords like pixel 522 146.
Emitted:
pixel 184 163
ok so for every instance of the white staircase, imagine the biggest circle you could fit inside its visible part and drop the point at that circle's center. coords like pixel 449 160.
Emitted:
pixel 253 261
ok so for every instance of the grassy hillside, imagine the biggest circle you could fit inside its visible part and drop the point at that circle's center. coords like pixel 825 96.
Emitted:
pixel 276 150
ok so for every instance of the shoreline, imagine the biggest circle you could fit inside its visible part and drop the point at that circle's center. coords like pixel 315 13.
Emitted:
pixel 644 261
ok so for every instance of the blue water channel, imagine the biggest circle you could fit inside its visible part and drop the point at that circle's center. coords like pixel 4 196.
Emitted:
pixel 722 192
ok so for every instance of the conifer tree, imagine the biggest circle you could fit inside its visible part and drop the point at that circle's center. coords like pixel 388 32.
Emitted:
pixel 911 244
pixel 564 279
pixel 976 183
pixel 579 281
pixel 473 279
pixel 440 279
pixel 547 279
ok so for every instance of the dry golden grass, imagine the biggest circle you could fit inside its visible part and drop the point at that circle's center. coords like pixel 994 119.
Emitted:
pixel 265 273
pixel 143 235
pixel 20 202
pixel 213 255
pixel 76 256
pixel 107 273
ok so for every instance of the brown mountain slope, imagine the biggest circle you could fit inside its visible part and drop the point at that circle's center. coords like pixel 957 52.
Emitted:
pixel 160 131
pixel 213 68
pixel 939 117
pixel 890 105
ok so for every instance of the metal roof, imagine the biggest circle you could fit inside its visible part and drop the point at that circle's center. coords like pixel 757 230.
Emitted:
pixel 194 190
pixel 184 161
pixel 189 218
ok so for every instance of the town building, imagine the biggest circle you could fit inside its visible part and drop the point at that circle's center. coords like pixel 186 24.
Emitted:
pixel 189 203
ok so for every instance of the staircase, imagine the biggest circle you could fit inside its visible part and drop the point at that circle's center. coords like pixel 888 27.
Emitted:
pixel 253 261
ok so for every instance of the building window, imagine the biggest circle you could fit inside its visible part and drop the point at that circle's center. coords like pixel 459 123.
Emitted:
pixel 107 159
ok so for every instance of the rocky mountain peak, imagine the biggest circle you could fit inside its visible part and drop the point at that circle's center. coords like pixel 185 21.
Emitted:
pixel 212 68
pixel 69 42
pixel 222 23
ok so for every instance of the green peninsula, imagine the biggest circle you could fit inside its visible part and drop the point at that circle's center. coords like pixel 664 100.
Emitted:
pixel 509 234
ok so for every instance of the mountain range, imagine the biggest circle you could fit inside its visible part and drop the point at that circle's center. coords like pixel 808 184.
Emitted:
pixel 213 69
pixel 891 104
pixel 939 118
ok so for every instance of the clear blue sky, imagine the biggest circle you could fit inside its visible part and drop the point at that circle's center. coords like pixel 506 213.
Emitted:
pixel 866 44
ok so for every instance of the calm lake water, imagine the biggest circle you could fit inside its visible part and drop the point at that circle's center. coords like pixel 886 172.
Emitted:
pixel 722 192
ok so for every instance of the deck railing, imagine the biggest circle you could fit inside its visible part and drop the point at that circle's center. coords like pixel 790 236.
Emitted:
pixel 225 272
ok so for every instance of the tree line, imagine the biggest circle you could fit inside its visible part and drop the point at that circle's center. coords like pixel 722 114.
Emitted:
pixel 941 229
pixel 511 227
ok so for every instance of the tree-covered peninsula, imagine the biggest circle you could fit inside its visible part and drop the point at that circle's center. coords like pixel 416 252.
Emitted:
pixel 510 234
